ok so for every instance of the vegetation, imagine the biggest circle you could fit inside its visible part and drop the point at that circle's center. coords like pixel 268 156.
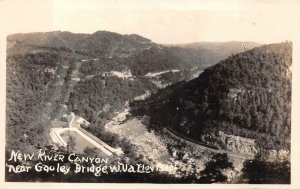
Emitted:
pixel 98 98
pixel 214 169
pixel 248 94
pixel 40 80
pixel 261 172
pixel 28 89
pixel 114 141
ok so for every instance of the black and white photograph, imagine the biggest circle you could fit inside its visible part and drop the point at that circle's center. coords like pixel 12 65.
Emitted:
pixel 162 92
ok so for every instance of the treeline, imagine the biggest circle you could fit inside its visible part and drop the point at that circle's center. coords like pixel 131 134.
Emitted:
pixel 248 94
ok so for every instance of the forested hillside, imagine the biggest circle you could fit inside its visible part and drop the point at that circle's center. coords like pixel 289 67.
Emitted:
pixel 248 95
pixel 41 68
pixel 130 50
pixel 105 78
pixel 29 86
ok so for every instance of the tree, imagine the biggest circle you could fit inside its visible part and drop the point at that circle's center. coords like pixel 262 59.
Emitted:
pixel 258 171
pixel 213 172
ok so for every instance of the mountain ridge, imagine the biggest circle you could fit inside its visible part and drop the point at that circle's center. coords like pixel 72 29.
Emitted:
pixel 247 94
pixel 44 38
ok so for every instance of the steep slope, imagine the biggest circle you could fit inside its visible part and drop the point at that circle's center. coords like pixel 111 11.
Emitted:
pixel 30 83
pixel 248 95
pixel 126 49
pixel 111 69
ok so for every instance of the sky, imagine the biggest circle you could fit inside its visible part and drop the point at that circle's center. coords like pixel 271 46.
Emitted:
pixel 162 21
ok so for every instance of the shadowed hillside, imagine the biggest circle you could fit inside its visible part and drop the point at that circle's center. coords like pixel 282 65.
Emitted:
pixel 248 95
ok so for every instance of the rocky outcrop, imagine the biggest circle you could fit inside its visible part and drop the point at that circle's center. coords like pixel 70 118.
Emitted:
pixel 237 144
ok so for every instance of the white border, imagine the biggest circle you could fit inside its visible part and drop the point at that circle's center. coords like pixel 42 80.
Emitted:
pixel 9 10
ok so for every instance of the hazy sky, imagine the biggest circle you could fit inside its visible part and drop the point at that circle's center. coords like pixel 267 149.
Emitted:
pixel 163 21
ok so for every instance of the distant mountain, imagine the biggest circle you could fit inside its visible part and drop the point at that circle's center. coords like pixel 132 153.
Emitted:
pixel 231 45
pixel 221 49
pixel 129 50
pixel 29 41
pixel 248 95
pixel 99 43
pixel 109 69
pixel 95 76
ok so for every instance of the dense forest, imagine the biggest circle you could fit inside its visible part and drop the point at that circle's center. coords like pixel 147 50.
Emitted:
pixel 84 74
pixel 38 77
pixel 96 97
pixel 28 89
pixel 248 94
pixel 34 93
